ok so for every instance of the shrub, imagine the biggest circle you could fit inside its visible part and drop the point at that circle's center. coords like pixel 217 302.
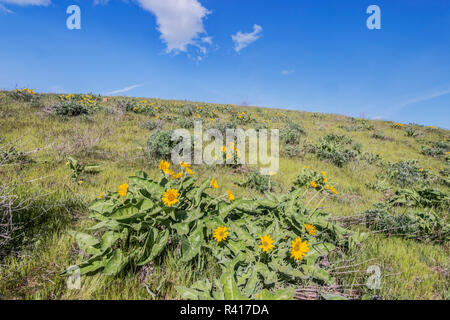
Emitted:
pixel 437 149
pixel 160 145
pixel 187 110
pixel 380 136
pixel 9 154
pixel 185 123
pixel 78 170
pixel 309 178
pixel 337 149
pixel 70 109
pixel 405 173
pixel 371 158
pixel 128 105
pixel 291 151
pixel 242 118
pixel 24 94
pixel 222 127
pixel 291 133
pixel 414 225
pixel 145 220
pixel 424 197
pixel 410 132
pixel 153 124
pixel 359 125
pixel 257 181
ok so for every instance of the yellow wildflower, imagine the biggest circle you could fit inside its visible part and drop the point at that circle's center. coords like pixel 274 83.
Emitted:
pixel 214 183
pixel 164 166
pixel 310 229
pixel 333 190
pixel 230 195
pixel 299 249
pixel 220 233
pixel 170 197
pixel 185 165
pixel 266 243
pixel 123 190
pixel 176 176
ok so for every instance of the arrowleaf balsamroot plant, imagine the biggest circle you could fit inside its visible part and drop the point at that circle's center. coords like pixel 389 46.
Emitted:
pixel 264 246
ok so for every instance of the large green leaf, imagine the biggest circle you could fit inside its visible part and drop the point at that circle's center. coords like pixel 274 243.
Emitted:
pixel 192 245
pixel 86 242
pixel 200 192
pixel 230 288
pixel 317 273
pixel 187 293
pixel 153 247
pixel 152 187
pixel 182 228
pixel 223 212
pixel 103 207
pixel 127 212
pixel 116 263
pixel 109 238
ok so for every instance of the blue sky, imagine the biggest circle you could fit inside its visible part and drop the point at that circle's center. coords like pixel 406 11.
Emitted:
pixel 295 54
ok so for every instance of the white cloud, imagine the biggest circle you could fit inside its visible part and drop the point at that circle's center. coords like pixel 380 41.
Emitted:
pixel 242 40
pixel 287 72
pixel 124 89
pixel 28 2
pixel 5 9
pixel 180 22
pixel 101 2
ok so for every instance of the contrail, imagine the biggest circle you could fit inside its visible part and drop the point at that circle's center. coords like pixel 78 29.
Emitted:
pixel 430 96
pixel 124 89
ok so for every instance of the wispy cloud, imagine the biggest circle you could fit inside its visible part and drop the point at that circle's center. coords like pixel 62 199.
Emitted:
pixel 242 40
pixel 421 98
pixel 180 23
pixel 101 2
pixel 27 2
pixel 124 89
pixel 5 9
pixel 287 72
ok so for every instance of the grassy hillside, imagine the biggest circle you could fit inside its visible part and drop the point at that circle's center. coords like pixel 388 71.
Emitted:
pixel 404 167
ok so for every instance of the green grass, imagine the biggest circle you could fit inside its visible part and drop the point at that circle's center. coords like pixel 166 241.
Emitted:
pixel 112 139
